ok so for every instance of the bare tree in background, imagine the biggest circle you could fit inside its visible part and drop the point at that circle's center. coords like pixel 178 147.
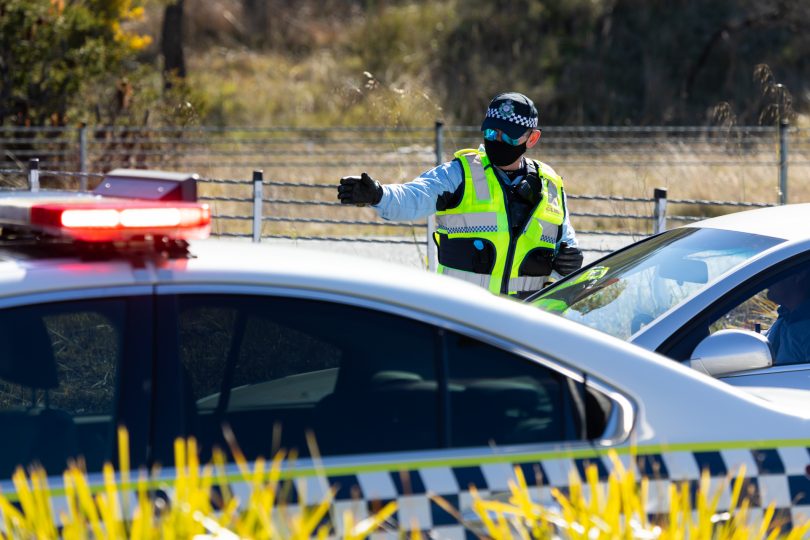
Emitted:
pixel 171 42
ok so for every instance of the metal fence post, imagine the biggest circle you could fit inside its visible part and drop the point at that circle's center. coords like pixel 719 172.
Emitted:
pixel 258 196
pixel 439 142
pixel 783 147
pixel 431 220
pixel 33 174
pixel 83 157
pixel 660 210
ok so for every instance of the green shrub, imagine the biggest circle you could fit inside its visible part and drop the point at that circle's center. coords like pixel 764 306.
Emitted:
pixel 50 48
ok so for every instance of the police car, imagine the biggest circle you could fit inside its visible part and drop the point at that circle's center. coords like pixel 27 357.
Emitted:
pixel 706 294
pixel 113 312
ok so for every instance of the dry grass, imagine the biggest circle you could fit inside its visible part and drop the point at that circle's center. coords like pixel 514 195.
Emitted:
pixel 320 77
pixel 686 173
pixel 698 170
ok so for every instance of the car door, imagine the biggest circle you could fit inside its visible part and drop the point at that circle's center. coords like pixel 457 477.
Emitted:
pixel 656 335
pixel 380 389
pixel 755 305
pixel 73 367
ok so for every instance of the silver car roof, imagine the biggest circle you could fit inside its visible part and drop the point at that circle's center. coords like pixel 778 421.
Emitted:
pixel 790 222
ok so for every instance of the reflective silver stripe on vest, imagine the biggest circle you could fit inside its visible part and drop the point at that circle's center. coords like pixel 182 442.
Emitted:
pixel 471 277
pixel 553 194
pixel 527 283
pixel 550 231
pixel 468 223
pixel 479 177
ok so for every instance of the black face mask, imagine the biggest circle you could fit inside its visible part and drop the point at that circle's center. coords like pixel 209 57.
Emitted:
pixel 501 153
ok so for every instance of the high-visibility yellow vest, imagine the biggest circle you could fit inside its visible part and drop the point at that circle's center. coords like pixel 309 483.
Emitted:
pixel 475 240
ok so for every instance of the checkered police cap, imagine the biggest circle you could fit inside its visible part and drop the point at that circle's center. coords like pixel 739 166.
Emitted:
pixel 512 113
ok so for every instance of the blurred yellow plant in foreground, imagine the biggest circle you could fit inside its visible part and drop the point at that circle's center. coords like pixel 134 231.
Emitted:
pixel 617 509
pixel 108 513
pixel 201 505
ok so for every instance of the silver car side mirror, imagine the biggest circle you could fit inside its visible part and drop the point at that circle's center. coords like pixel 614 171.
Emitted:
pixel 730 351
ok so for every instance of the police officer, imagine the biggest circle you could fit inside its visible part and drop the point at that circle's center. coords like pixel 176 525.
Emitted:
pixel 501 218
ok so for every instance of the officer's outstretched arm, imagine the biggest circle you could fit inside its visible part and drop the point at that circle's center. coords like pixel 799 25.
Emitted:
pixel 360 190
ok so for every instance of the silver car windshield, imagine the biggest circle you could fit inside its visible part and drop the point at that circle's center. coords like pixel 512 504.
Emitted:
pixel 631 288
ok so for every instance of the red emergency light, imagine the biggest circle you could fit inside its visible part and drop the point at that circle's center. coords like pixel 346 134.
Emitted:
pixel 113 220
pixel 129 206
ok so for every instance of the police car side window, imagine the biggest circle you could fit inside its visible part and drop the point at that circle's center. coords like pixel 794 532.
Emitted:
pixel 275 368
pixel 499 398
pixel 58 378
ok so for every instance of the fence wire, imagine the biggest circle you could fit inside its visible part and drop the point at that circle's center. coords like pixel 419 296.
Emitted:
pixel 609 172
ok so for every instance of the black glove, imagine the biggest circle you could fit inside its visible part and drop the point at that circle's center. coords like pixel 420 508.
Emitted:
pixel 360 190
pixel 568 259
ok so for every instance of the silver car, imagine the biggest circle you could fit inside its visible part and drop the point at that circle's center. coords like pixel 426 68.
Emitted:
pixel 729 296
pixel 113 312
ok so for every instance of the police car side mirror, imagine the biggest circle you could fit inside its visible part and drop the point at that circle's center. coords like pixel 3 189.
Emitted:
pixel 730 351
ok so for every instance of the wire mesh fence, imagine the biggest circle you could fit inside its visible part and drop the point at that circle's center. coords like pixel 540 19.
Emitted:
pixel 610 172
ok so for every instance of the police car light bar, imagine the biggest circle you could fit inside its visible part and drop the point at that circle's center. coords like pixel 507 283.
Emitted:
pixel 110 220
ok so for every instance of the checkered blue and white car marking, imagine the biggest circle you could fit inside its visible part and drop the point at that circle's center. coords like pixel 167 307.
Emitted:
pixel 778 473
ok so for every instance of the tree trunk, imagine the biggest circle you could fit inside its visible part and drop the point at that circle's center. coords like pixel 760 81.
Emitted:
pixel 257 18
pixel 171 42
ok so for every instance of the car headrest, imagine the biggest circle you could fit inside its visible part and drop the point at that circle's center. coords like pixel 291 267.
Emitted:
pixel 26 354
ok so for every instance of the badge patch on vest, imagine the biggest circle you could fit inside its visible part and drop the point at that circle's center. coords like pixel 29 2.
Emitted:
pixel 553 199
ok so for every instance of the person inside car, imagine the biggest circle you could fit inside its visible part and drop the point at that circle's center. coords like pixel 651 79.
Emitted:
pixel 789 336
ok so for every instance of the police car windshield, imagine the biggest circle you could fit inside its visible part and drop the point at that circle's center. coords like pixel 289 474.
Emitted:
pixel 631 288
